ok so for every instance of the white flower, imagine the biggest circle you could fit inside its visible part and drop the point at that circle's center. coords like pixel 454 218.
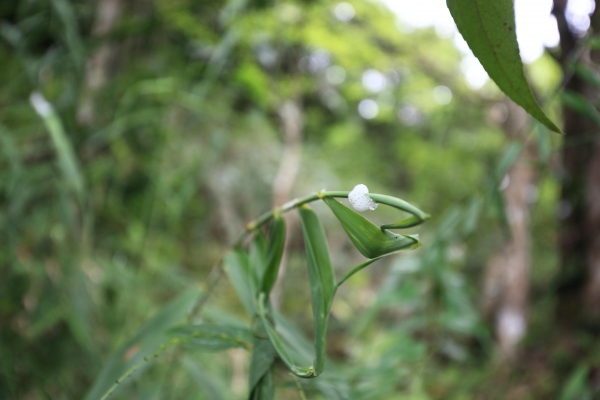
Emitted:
pixel 360 200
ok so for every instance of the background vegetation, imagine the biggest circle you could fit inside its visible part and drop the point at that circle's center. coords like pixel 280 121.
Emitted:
pixel 138 138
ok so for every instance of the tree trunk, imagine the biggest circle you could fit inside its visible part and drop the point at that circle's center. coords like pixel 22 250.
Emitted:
pixel 579 209
pixel 506 284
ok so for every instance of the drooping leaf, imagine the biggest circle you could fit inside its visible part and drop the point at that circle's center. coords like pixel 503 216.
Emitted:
pixel 369 239
pixel 418 217
pixel 146 341
pixel 211 337
pixel 274 254
pixel 322 281
pixel 237 266
pixel 488 27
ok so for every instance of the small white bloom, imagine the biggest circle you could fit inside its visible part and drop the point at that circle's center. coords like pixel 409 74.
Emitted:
pixel 360 199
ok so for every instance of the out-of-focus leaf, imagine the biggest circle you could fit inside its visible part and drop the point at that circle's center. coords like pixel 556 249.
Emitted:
pixel 261 380
pixel 146 341
pixel 210 337
pixel 66 157
pixel 472 215
pixel 370 240
pixel 581 105
pixel 576 386
pixel 237 266
pixel 69 19
pixel 544 143
pixel 488 27
pixel 507 160
pixel 274 254
pixel 206 382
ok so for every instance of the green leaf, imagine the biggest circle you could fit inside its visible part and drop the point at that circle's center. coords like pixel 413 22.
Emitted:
pixel 488 27
pixel 258 255
pixel 145 342
pixel 210 337
pixel 370 240
pixel 322 281
pixel 263 356
pixel 261 366
pixel 265 390
pixel 274 254
pixel 237 266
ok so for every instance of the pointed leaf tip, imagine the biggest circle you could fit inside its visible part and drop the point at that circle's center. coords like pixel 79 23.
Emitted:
pixel 488 27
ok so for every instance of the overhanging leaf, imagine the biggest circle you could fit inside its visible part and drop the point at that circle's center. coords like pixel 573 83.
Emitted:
pixel 369 239
pixel 488 27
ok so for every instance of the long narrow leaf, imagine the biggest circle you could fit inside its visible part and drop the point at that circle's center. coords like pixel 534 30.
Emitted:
pixel 274 254
pixel 258 256
pixel 322 281
pixel 488 27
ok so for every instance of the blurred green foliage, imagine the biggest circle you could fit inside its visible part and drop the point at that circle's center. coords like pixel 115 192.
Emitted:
pixel 103 223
